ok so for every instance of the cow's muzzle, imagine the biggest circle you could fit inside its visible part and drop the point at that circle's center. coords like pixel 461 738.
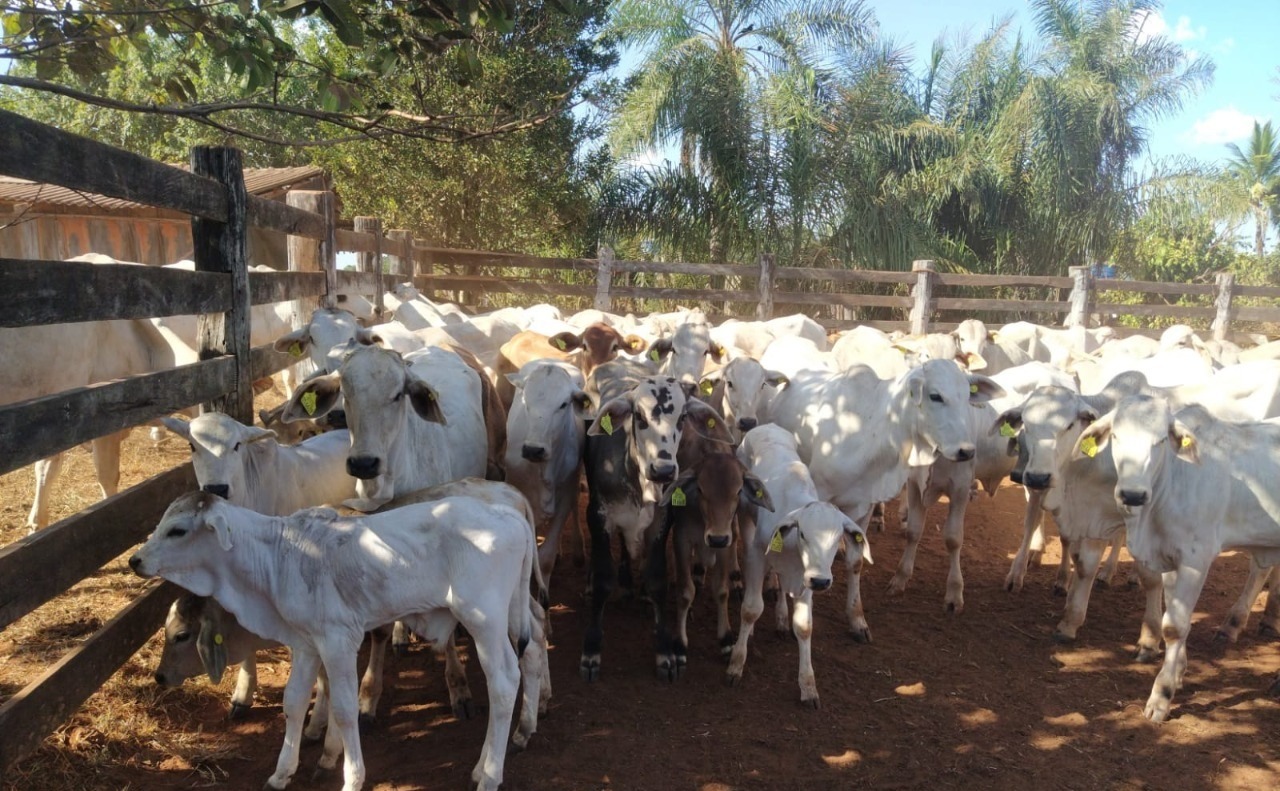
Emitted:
pixel 662 473
pixel 747 423
pixel 1037 480
pixel 965 453
pixel 818 584
pixel 222 490
pixel 1134 498
pixel 719 542
pixel 363 467
pixel 533 452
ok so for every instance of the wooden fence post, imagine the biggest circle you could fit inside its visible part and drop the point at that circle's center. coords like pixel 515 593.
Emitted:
pixel 1226 290
pixel 604 278
pixel 372 262
pixel 306 255
pixel 1081 297
pixel 923 294
pixel 764 310
pixel 222 247
pixel 424 266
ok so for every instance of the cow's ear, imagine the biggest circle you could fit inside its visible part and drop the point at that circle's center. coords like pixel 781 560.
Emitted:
pixel 516 379
pixel 717 352
pixel 682 491
pixel 704 420
pixel 179 427
pixel 255 434
pixel 370 338
pixel 1008 423
pixel 1086 415
pixel 1093 439
pixel 973 361
pixel 313 398
pixel 425 401
pixel 858 537
pixel 565 341
pixel 776 378
pixel 581 402
pixel 612 417
pixel 211 645
pixel 634 343
pixel 217 522
pixel 659 350
pixel 264 416
pixel 753 489
pixel 1184 442
pixel 982 389
pixel 295 343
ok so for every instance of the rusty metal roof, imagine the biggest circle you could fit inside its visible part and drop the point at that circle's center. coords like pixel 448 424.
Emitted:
pixel 257 181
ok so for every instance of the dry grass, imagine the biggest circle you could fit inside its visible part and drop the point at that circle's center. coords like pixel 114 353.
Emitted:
pixel 130 722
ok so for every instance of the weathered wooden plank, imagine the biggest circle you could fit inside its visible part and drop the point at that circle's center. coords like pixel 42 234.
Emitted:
pixel 1226 282
pixel 282 217
pixel 265 361
pixel 1267 292
pixel 357 241
pixel 1241 313
pixel 482 283
pixel 35 151
pixel 445 255
pixel 268 287
pixel 44 704
pixel 399 245
pixel 1082 297
pixel 765 286
pixel 223 247
pixel 1020 281
pixel 43 565
pixel 847 300
pixel 1176 311
pixel 604 279
pixel 366 283
pixel 57 422
pixel 732 270
pixel 922 296
pixel 697 294
pixel 1147 287
pixel 62 292
pixel 844 275
pixel 370 260
pixel 1002 305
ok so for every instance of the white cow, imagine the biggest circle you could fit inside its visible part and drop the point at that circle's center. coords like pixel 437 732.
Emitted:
pixel 790 355
pixel 798 540
pixel 1191 486
pixel 742 391
pixel 978 343
pixel 683 355
pixel 331 331
pixel 317 582
pixel 861 435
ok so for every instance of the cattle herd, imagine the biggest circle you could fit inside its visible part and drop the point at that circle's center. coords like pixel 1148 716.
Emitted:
pixel 433 451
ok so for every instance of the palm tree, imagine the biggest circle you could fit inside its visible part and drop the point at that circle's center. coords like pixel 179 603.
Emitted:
pixel 1258 173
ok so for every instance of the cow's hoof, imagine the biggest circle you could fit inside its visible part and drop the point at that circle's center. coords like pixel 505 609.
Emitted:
pixel 1059 589
pixel 1146 655
pixel 860 634
pixel 1033 557
pixel 727 643
pixel 954 607
pixel 1157 710
pixel 1224 635
pixel 400 649
pixel 239 711
pixel 320 772
pixel 463 708
pixel 367 722
pixel 1267 630
pixel 811 703
pixel 1062 637
pixel 1100 584
pixel 276 783
pixel 668 667
pixel 734 679
pixel 589 667
pixel 1274 689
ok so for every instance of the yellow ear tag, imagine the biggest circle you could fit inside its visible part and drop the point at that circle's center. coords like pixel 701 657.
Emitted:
pixel 711 422
pixel 308 402
pixel 606 423
pixel 561 344
pixel 775 543
pixel 1006 430
pixel 707 386
pixel 1186 442
pixel 678 498
pixel 217 639
pixel 858 538
pixel 973 389
pixel 1089 447
pixel 653 355
pixel 759 494
pixel 295 349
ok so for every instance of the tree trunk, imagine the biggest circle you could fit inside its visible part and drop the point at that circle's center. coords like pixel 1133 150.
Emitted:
pixel 1260 232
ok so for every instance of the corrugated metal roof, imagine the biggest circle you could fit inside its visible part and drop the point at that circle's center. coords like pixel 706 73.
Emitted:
pixel 257 181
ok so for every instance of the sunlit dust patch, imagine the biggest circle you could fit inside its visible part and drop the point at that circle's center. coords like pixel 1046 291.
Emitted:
pixel 603 733
pixel 844 760
pixel 714 787
pixel 1049 741
pixel 915 690
pixel 1073 720
pixel 978 717
pixel 1090 660
pixel 1236 775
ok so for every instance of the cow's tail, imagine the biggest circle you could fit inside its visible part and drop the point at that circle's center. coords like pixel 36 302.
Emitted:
pixel 544 595
pixel 520 612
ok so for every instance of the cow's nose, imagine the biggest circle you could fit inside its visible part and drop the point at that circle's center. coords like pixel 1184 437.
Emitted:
pixel 662 473
pixel 819 583
pixel 1016 476
pixel 719 542
pixel 222 490
pixel 1036 480
pixel 363 467
pixel 533 452
pixel 1134 497
pixel 965 452
pixel 747 423
pixel 335 419
pixel 135 561
pixel 160 678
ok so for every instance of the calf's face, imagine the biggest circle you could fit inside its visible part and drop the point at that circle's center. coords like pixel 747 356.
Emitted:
pixel 553 401
pixel 942 395
pixel 817 529
pixel 1047 425
pixel 652 415
pixel 192 534
pixel 1144 438
pixel 716 489
pixel 219 446
pixel 746 388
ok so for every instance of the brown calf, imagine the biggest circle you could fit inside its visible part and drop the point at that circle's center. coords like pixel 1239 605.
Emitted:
pixel 596 345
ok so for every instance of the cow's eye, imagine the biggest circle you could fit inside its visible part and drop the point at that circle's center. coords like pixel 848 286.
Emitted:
pixel 182 637
pixel 236 448
pixel 192 445
pixel 176 532
pixel 395 398
pixel 935 398
pixel 729 385
pixel 564 405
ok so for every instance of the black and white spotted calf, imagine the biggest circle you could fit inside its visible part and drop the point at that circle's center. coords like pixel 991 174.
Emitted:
pixel 630 458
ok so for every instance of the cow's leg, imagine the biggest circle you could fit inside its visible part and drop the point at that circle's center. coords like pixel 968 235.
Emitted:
pixel 246 683
pixel 725 560
pixel 1153 611
pixel 455 677
pixel 668 665
pixel 320 711
pixel 106 461
pixel 915 526
pixel 400 639
pixel 688 591
pixel 735 569
pixel 1238 617
pixel 601 589
pixel 953 537
pixel 1181 591
pixel 802 625
pixel 502 675
pixel 1062 580
pixel 371 681
pixel 47 471
pixel 1270 624
pixel 344 716
pixel 297 694
pixel 1086 554
pixel 1108 572
pixel 752 607
pixel 1032 528
pixel 533 674
pixel 853 604
pixel 782 615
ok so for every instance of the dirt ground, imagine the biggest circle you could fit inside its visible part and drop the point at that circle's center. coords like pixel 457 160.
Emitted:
pixel 984 699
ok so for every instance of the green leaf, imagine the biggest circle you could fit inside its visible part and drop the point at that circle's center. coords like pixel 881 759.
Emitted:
pixel 346 24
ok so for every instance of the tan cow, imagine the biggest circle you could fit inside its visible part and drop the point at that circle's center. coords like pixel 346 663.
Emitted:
pixel 595 345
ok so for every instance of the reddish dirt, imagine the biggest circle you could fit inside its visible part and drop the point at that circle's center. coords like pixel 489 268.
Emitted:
pixel 984 699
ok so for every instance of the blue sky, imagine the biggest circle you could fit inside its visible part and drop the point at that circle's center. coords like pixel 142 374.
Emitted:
pixel 1238 35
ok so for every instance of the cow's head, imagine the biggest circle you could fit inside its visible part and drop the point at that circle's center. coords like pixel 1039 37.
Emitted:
pixel 684 354
pixel 940 395
pixel 195 641
pixel 602 343
pixel 652 415
pixel 194 532
pixel 746 387
pixel 716 488
pixel 814 531
pixel 220 446
pixel 972 337
pixel 553 401
pixel 1046 427
pixel 1145 437
pixel 288 433
pixel 326 338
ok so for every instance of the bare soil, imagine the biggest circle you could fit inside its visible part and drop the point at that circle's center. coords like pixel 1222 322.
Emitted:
pixel 984 699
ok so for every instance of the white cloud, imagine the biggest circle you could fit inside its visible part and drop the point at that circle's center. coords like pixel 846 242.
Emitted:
pixel 1185 32
pixel 1150 24
pixel 1224 125
pixel 650 157
pixel 1225 46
